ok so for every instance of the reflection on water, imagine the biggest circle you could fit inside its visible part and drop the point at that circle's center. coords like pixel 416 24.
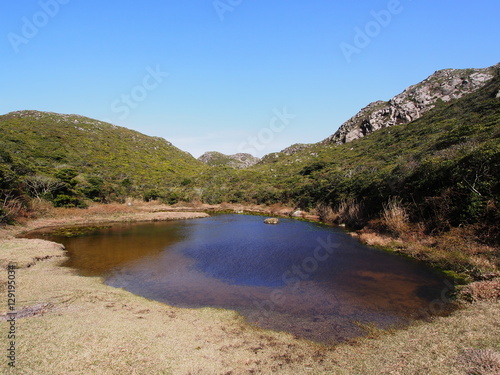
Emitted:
pixel 304 278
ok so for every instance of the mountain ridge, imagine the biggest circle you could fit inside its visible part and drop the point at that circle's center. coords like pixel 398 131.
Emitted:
pixel 88 155
pixel 45 143
pixel 413 102
pixel 238 161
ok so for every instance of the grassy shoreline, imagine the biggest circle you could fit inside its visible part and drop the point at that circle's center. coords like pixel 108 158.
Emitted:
pixel 88 327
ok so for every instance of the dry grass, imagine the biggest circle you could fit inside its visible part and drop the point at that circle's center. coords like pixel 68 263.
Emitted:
pixel 82 326
pixel 12 209
pixel 350 212
pixel 457 250
pixel 87 327
pixel 395 217
pixel 326 213
pixel 480 362
pixel 97 209
pixel 488 290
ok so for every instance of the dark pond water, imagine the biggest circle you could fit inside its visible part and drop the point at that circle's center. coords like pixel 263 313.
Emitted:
pixel 311 280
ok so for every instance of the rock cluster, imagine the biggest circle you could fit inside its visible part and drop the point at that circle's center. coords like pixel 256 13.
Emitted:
pixel 411 104
pixel 239 161
pixel 271 220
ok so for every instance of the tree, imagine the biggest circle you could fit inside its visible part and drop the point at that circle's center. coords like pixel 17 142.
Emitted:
pixel 39 186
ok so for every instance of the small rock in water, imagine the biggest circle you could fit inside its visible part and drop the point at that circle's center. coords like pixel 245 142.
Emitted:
pixel 272 220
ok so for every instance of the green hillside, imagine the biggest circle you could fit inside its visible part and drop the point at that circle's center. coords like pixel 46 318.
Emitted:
pixel 444 167
pixel 239 161
pixel 90 155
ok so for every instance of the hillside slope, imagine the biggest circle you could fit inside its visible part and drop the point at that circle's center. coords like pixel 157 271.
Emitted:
pixel 445 166
pixel 414 102
pixel 239 161
pixel 40 143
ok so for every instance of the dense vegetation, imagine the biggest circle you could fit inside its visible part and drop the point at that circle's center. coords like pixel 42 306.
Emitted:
pixel 239 161
pixel 442 170
pixel 445 166
pixel 68 159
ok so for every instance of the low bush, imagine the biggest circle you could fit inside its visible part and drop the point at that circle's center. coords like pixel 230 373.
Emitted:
pixel 479 362
pixel 395 216
pixel 351 213
pixel 68 201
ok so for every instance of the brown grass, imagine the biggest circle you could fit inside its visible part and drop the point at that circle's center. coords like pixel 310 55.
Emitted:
pixel 395 217
pixel 457 250
pixel 350 212
pixel 11 209
pixel 82 326
pixel 480 362
pixel 326 213
pixel 488 290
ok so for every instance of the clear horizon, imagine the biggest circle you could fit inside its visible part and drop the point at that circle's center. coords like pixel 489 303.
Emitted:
pixel 232 75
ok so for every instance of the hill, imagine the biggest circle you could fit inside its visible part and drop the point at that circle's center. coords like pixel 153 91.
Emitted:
pixel 442 168
pixel 445 166
pixel 239 161
pixel 111 161
pixel 414 102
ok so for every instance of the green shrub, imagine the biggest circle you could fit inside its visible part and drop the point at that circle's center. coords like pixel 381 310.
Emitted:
pixel 67 201
pixel 151 195
pixel 171 198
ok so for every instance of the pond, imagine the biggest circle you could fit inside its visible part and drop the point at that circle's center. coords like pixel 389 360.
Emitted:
pixel 311 280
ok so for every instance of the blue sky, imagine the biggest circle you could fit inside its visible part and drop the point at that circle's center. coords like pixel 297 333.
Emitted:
pixel 232 75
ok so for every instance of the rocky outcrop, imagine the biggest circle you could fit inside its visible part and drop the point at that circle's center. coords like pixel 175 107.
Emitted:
pixel 239 161
pixel 292 150
pixel 295 148
pixel 271 220
pixel 411 104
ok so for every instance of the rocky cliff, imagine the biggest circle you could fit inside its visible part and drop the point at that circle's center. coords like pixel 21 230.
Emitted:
pixel 411 104
pixel 239 161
